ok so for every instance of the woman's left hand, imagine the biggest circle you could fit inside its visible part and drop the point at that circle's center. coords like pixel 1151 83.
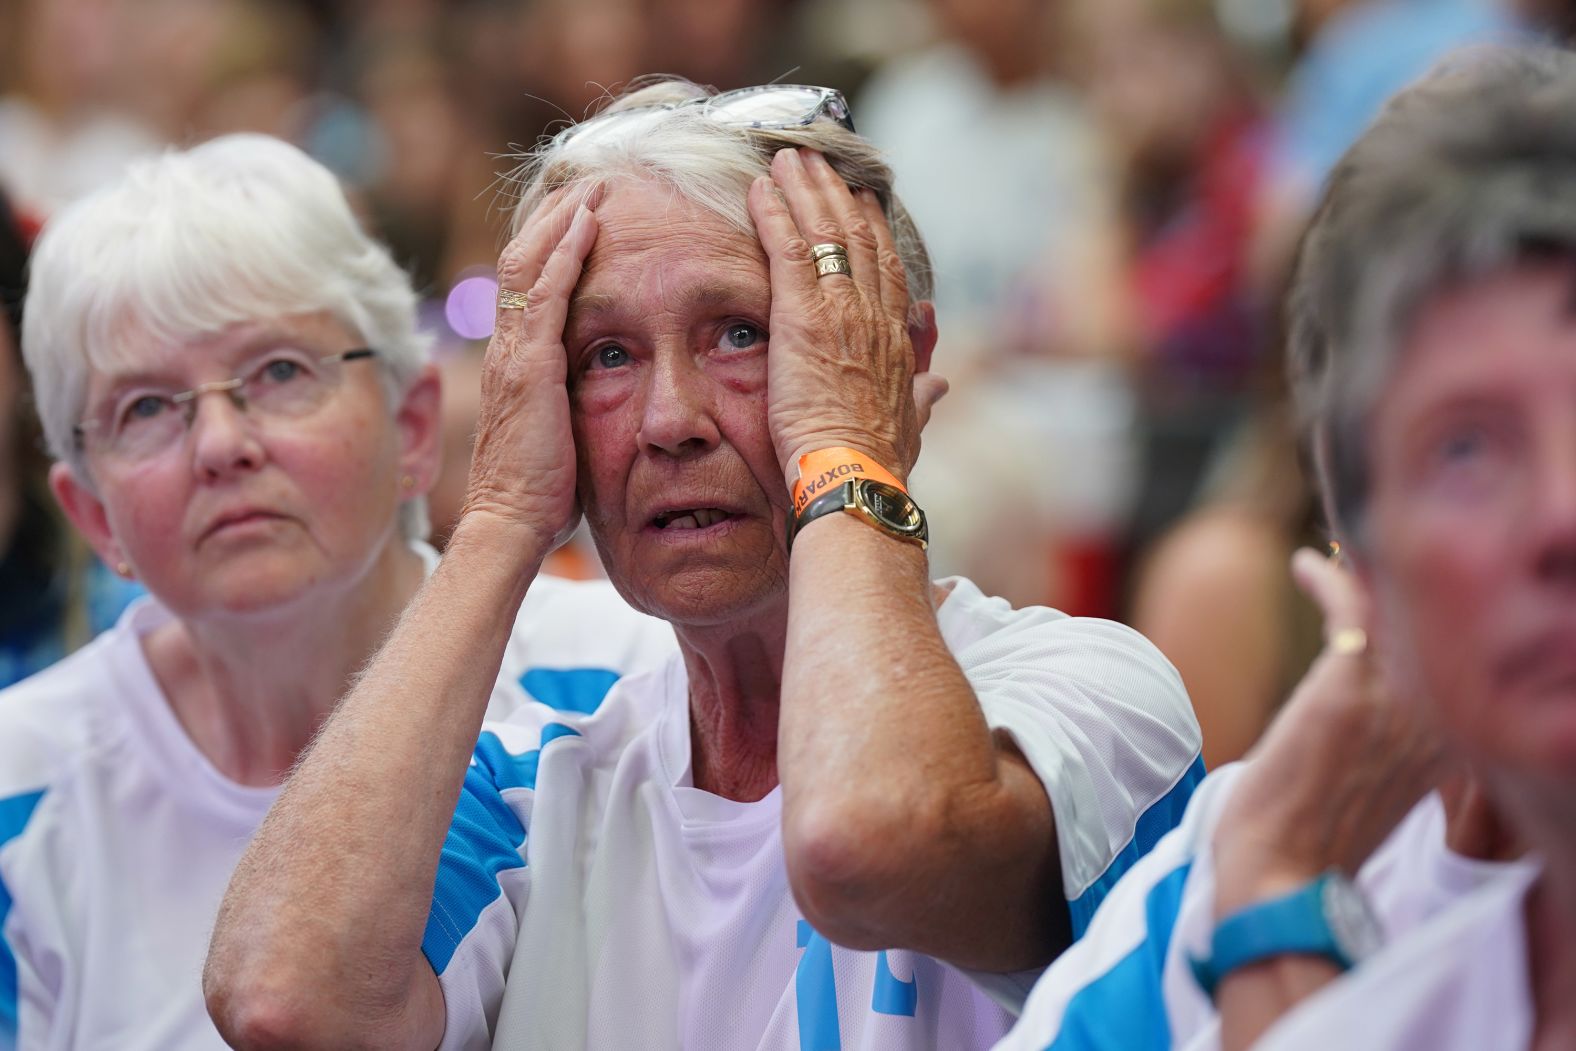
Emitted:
pixel 841 366
pixel 1340 767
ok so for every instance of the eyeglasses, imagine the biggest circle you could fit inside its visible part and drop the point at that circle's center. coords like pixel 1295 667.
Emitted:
pixel 283 384
pixel 766 107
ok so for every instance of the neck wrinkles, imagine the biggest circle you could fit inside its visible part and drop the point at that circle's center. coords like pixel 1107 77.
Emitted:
pixel 735 682
pixel 252 692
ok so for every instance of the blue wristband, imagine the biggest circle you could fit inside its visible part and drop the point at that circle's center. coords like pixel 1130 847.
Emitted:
pixel 1326 918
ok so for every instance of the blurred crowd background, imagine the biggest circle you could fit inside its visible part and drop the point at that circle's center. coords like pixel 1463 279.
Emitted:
pixel 1112 192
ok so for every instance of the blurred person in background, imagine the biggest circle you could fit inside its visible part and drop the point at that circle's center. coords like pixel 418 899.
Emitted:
pixel 425 186
pixel 1358 54
pixel 231 380
pixel 729 852
pixel 1011 179
pixel 1181 112
pixel 1223 503
pixel 55 594
pixel 1213 593
pixel 63 130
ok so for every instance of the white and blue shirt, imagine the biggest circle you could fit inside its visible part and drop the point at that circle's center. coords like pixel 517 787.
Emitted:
pixel 624 907
pixel 118 837
pixel 1128 986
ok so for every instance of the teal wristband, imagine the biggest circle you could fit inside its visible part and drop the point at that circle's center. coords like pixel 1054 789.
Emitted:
pixel 1327 918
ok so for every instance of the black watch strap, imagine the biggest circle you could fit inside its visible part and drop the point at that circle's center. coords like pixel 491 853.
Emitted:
pixel 880 505
pixel 829 502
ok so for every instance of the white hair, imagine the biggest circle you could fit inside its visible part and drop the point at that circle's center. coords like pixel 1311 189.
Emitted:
pixel 242 228
pixel 710 164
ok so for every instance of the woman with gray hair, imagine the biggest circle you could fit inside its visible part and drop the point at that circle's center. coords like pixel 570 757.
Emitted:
pixel 1433 352
pixel 230 376
pixel 853 805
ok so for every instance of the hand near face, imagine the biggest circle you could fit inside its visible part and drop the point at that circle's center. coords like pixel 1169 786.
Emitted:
pixel 523 468
pixel 1338 769
pixel 841 369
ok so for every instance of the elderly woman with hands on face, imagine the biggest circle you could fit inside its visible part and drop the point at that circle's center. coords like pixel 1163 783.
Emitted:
pixel 854 806
pixel 230 376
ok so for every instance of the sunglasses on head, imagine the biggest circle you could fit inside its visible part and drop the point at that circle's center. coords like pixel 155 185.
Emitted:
pixel 768 107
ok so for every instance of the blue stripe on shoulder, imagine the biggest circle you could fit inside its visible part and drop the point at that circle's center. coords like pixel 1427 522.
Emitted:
pixel 569 689
pixel 1125 1009
pixel 1161 817
pixel 485 840
pixel 15 812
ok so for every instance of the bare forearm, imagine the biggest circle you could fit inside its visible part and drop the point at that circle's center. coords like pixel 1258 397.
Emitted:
pixel 1252 998
pixel 901 811
pixel 335 889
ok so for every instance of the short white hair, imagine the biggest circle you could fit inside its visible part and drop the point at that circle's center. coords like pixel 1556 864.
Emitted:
pixel 242 228
pixel 711 164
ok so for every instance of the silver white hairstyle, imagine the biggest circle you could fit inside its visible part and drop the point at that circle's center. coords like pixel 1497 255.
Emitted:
pixel 711 165
pixel 242 228
pixel 1468 172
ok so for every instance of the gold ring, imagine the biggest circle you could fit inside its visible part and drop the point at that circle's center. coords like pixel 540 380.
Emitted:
pixel 509 299
pixel 821 251
pixel 833 264
pixel 1349 642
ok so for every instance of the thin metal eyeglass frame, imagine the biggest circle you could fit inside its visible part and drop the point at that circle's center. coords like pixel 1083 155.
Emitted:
pixel 189 397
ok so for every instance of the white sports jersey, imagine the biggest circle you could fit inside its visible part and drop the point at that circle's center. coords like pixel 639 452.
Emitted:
pixel 1127 985
pixel 118 837
pixel 628 908
pixel 1458 984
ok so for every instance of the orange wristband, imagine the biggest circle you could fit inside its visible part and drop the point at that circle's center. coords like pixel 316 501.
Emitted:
pixel 825 468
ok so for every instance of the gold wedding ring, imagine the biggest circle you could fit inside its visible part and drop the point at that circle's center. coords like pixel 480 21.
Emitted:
pixel 833 264
pixel 830 259
pixel 1349 642
pixel 509 299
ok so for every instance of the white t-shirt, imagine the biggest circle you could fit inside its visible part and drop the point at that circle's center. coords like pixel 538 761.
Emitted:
pixel 1459 984
pixel 118 837
pixel 627 908
pixel 1127 985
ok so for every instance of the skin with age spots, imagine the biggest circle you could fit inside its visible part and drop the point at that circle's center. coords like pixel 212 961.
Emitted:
pixel 667 348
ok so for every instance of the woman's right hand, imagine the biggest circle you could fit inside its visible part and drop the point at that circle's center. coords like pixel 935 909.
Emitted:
pixel 1339 768
pixel 523 468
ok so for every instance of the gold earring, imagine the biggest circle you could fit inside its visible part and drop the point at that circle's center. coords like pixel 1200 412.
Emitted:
pixel 124 569
pixel 408 482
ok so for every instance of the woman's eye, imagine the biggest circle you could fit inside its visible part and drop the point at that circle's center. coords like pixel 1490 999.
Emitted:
pixel 1463 445
pixel 611 356
pixel 142 408
pixel 741 336
pixel 280 370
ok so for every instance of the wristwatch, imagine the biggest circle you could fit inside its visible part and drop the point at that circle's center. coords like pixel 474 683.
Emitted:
pixel 884 506
pixel 1328 917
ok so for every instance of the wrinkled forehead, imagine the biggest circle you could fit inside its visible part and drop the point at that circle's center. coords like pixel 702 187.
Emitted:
pixel 651 239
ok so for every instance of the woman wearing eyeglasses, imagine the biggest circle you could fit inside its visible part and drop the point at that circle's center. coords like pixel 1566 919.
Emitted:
pixel 229 374
pixel 856 801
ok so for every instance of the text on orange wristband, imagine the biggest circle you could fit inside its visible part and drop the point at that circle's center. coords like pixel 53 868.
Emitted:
pixel 824 469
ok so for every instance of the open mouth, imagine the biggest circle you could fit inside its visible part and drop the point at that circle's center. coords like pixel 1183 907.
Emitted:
pixel 690 518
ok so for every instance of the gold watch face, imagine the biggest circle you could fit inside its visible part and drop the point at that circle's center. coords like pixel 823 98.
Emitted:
pixel 891 507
